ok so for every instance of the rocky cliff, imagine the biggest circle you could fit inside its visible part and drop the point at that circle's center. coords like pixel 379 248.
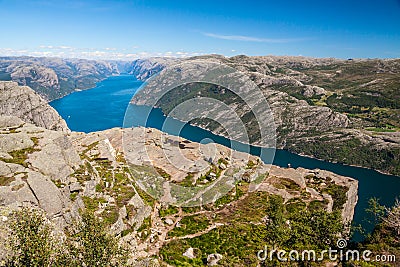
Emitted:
pixel 24 103
pixel 143 69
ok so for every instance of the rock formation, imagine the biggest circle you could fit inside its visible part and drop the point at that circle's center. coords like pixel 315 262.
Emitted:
pixel 23 102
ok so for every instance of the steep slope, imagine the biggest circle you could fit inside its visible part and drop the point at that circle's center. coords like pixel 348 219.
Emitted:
pixel 63 173
pixel 53 78
pixel 143 69
pixel 23 102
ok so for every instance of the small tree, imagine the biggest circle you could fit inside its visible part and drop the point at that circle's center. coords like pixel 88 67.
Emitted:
pixel 30 239
pixel 392 220
pixel 376 210
pixel 277 230
pixel 91 245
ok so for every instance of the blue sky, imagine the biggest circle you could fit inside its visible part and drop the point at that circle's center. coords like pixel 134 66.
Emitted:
pixel 131 29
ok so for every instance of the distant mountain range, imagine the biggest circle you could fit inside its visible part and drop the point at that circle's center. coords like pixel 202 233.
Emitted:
pixel 54 78
pixel 339 110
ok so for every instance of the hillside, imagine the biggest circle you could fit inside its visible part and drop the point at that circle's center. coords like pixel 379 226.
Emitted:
pixel 338 110
pixel 65 172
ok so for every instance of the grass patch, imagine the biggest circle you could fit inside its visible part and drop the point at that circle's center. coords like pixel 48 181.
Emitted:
pixel 20 156
pixel 73 196
pixel 381 130
pixel 166 211
pixel 6 181
pixel 191 225
pixel 338 194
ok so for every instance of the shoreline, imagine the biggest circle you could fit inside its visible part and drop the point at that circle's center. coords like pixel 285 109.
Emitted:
pixel 253 145
pixel 298 154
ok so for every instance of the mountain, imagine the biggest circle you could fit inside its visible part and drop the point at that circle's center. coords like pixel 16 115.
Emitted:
pixel 54 78
pixel 338 110
pixel 143 69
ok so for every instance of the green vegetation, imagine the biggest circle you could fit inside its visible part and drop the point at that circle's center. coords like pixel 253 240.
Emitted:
pixel 30 239
pixel 366 91
pixel 381 130
pixel 20 156
pixel 349 150
pixel 144 229
pixel 32 242
pixel 92 204
pixel 286 183
pixel 187 181
pixel 6 181
pixel 191 225
pixel 250 164
pixel 169 210
pixel 338 194
pixel 148 200
pixel 84 172
pixel 233 195
pixel 385 238
pixel 257 220
pixel 73 195
pixel 163 173
pixel 90 245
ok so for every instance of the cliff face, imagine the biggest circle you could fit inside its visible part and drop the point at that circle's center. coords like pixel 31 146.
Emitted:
pixel 53 78
pixel 143 69
pixel 24 103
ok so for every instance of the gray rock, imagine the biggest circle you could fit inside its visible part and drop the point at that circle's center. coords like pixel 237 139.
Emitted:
pixel 49 197
pixel 26 104
pixel 189 253
pixel 310 91
pixel 56 158
pixel 119 225
pixel 169 221
pixel 46 75
pixel 213 259
pixel 75 187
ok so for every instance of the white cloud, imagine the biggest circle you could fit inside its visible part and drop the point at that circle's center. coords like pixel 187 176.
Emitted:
pixel 252 39
pixel 91 53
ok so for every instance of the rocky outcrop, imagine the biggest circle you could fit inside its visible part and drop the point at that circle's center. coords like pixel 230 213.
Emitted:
pixel 26 178
pixel 282 181
pixel 213 259
pixel 23 102
pixel 62 173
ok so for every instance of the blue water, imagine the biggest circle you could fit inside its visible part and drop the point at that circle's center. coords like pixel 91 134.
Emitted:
pixel 100 108
pixel 104 107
